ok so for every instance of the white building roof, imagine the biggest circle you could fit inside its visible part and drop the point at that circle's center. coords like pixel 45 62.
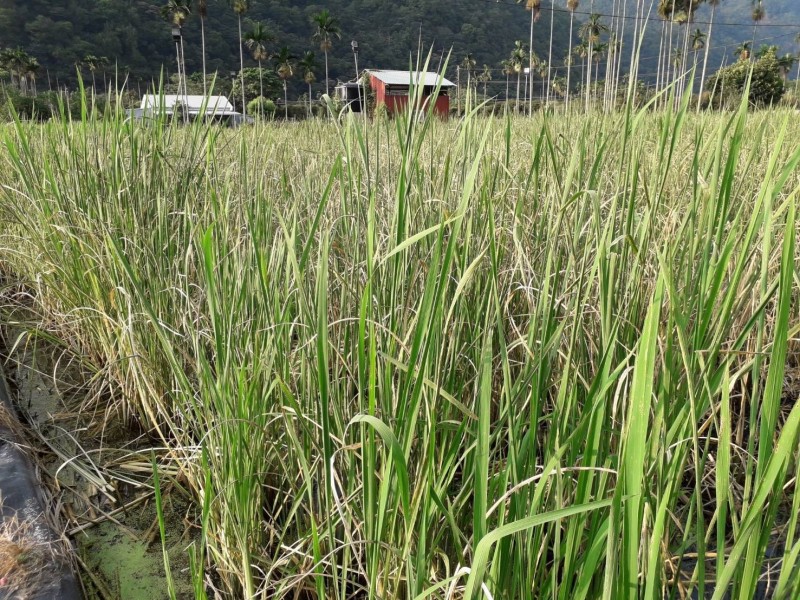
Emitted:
pixel 406 77
pixel 217 105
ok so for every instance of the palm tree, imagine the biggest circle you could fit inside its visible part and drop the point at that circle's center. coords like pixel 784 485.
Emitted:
pixel 757 16
pixel 468 64
pixel 572 6
pixel 240 7
pixel 202 11
pixel 92 62
pixel 568 63
pixel 176 12
pixel 713 4
pixel 744 50
pixel 543 71
pixel 507 66
pixel 785 64
pixel 327 30
pixel 597 54
pixel 18 61
pixel 698 43
pixel 485 77
pixel 20 65
pixel 535 7
pixel 590 32
pixel 677 58
pixel 256 41
pixel 582 51
pixel 30 69
pixel 559 88
pixel 518 56
pixel 7 63
pixel 308 64
pixel 285 68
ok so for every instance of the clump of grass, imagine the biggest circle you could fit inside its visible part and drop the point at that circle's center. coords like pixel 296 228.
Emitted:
pixel 511 357
pixel 10 554
pixel 24 559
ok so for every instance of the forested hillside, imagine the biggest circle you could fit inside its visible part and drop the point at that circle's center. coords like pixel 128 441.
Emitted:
pixel 133 38
pixel 134 35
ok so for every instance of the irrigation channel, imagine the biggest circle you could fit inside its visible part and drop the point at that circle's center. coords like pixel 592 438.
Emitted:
pixel 110 536
pixel 34 561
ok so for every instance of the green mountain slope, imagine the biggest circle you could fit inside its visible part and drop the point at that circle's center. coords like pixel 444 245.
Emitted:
pixel 133 35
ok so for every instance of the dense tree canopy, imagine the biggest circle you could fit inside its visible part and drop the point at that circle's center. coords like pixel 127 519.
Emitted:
pixel 766 86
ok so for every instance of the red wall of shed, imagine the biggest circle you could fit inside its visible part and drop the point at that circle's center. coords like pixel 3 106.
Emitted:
pixel 396 104
pixel 379 88
pixel 442 107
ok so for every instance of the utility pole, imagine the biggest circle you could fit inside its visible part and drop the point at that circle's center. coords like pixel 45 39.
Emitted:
pixel 361 100
pixel 177 37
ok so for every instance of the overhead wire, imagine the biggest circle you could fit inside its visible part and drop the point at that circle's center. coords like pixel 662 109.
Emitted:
pixel 657 19
pixel 655 57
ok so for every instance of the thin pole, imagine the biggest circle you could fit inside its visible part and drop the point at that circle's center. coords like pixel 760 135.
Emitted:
pixel 458 89
pixel 241 67
pixel 530 66
pixel 178 53
pixel 203 36
pixel 361 102
pixel 589 62
pixel 185 82
pixel 550 52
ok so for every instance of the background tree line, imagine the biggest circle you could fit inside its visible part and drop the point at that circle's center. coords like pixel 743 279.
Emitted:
pixel 271 50
pixel 134 36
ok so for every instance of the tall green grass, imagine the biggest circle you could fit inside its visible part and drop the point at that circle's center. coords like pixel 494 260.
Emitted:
pixel 509 358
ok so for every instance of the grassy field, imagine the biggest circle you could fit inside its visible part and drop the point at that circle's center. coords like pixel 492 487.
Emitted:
pixel 514 358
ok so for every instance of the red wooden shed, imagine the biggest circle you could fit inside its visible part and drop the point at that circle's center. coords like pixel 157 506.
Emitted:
pixel 392 88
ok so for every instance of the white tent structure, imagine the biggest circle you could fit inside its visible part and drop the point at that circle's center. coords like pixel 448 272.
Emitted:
pixel 211 106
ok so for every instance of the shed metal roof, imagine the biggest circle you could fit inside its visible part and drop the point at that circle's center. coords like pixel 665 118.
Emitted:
pixel 194 104
pixel 406 77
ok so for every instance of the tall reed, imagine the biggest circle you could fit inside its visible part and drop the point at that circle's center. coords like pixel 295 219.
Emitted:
pixel 510 358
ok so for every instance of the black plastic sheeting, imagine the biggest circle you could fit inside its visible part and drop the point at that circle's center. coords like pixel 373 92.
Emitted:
pixel 22 508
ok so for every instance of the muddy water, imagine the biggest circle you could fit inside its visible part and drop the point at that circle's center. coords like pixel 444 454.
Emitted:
pixel 128 564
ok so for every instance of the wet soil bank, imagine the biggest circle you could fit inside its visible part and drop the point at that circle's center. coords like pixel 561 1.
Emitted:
pixel 35 562
pixel 99 476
